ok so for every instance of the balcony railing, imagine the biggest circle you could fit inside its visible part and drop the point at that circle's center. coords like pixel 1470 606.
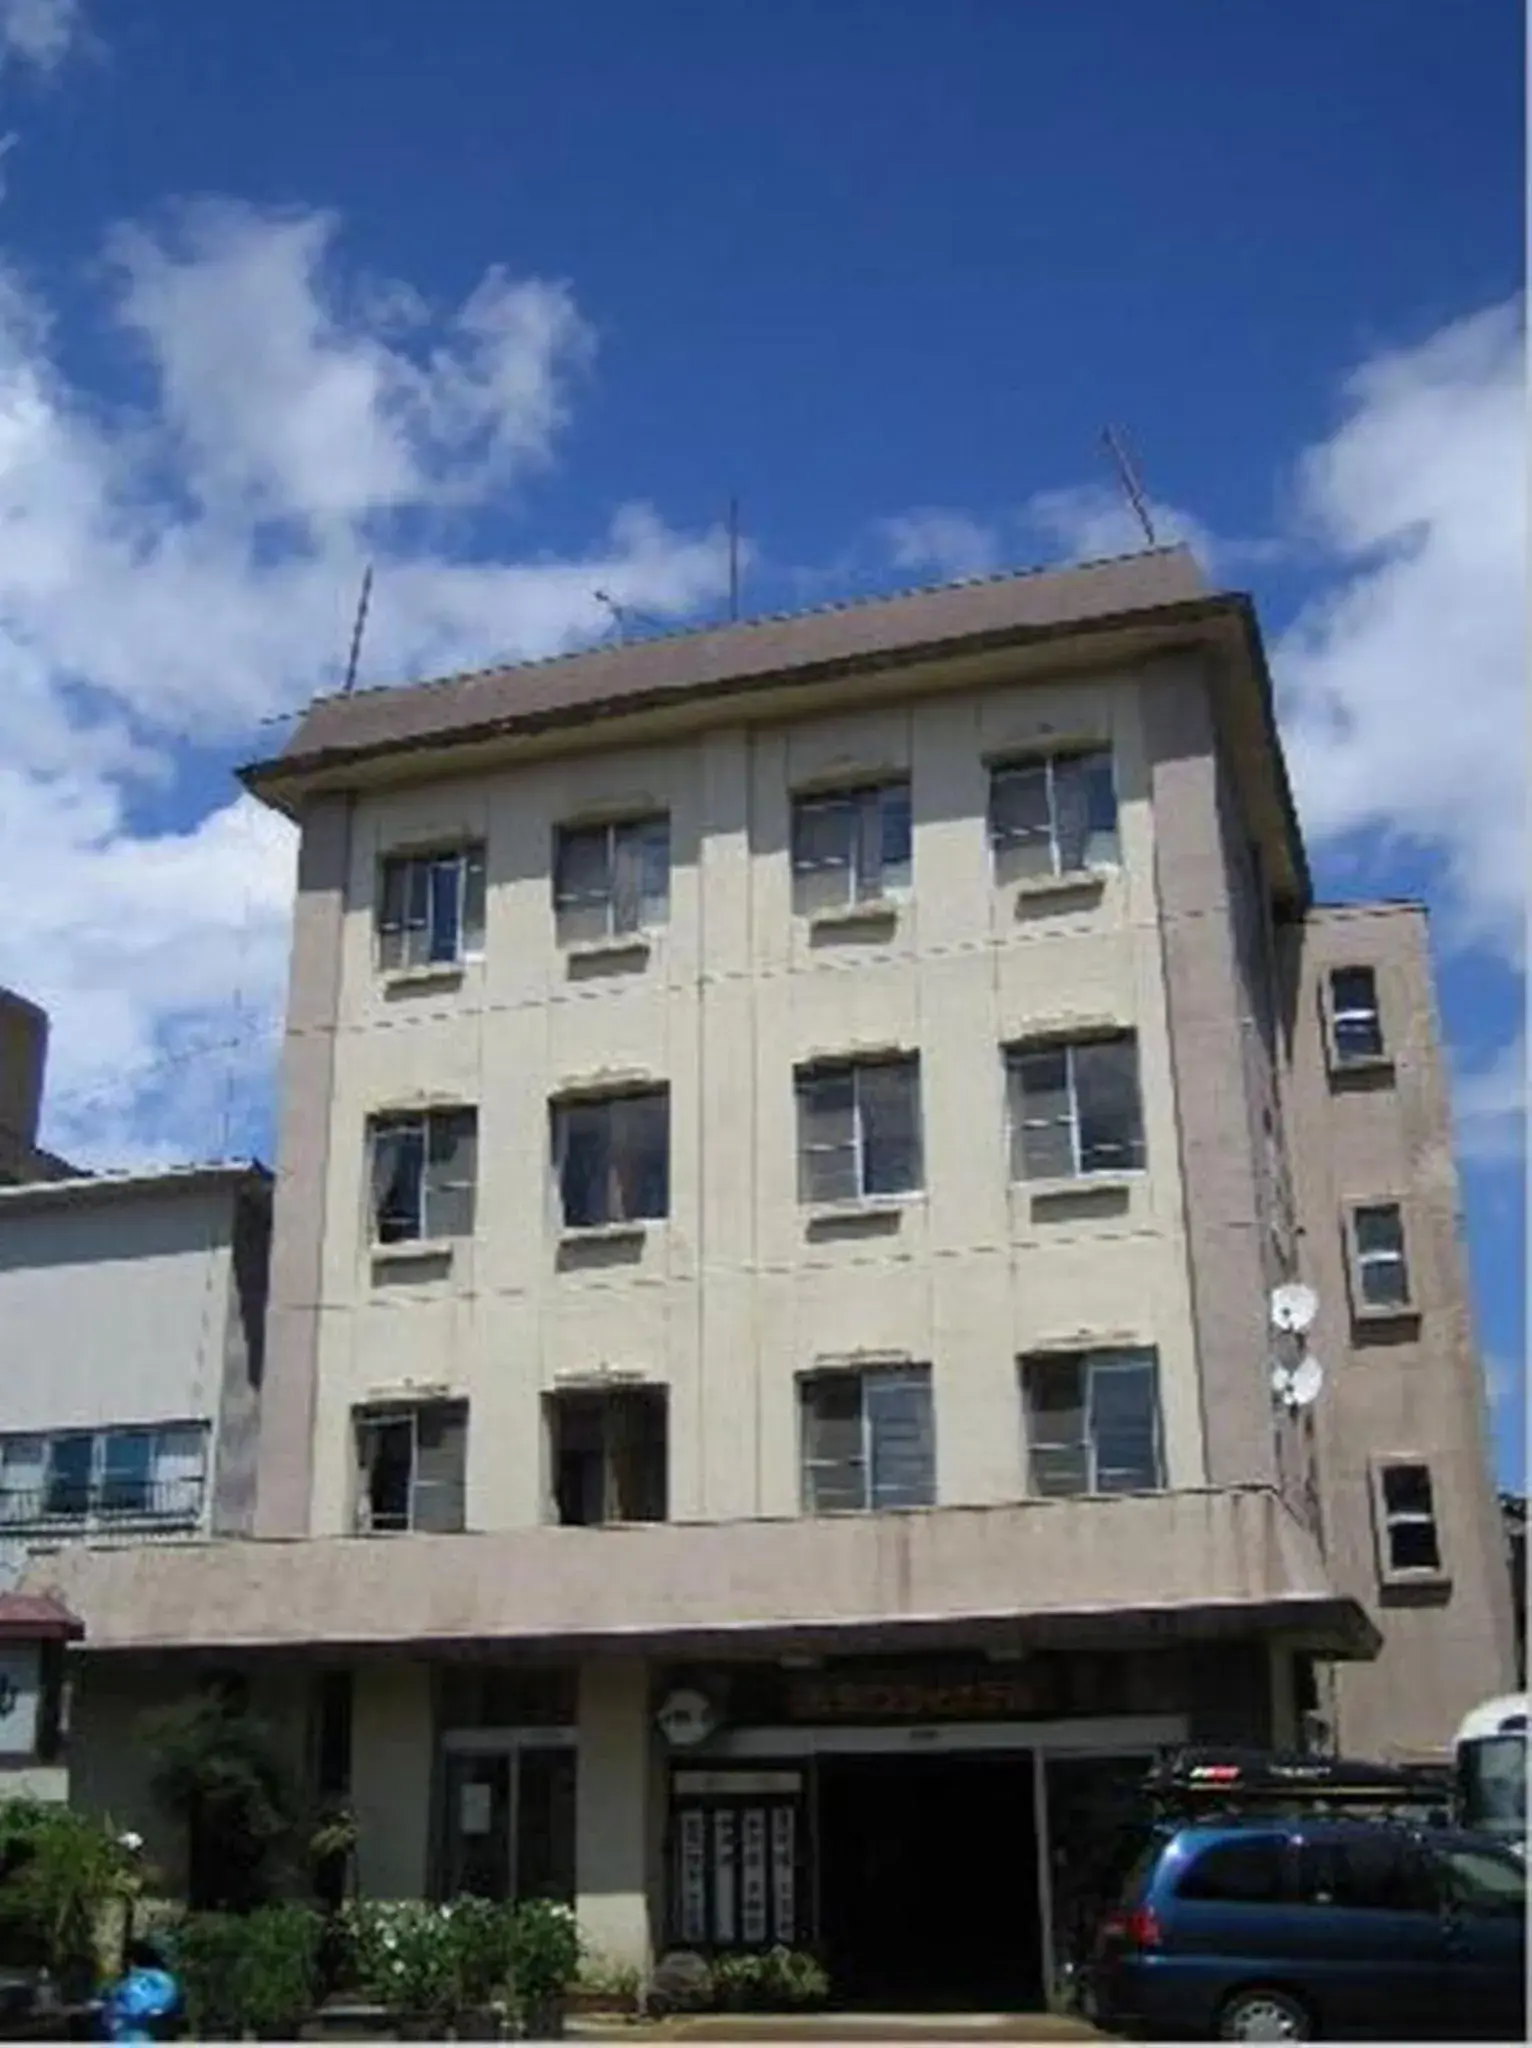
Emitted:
pixel 64 1508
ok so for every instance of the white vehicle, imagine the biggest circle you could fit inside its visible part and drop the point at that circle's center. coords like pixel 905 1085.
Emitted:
pixel 1490 1770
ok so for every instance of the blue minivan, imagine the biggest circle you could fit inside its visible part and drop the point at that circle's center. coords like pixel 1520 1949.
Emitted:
pixel 1303 1928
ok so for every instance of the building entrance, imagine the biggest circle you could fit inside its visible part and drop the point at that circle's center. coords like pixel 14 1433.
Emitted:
pixel 928 1885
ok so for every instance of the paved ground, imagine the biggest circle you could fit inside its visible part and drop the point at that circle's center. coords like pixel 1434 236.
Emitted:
pixel 852 2027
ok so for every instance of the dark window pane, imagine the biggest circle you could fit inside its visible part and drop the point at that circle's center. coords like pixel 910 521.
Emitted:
pixel 69 1474
pixel 888 1101
pixel 641 871
pixel 127 1462
pixel 1124 1425
pixel 1412 1547
pixel 386 1455
pixel 1379 1231
pixel 440 1453
pixel 1382 1268
pixel 1407 1490
pixel 391 908
pixel 1244 1873
pixel 417 912
pixel 1107 1099
pixel 1100 808
pixel 1042 1123
pixel 583 1153
pixel 640 1141
pixel 1377 1874
pixel 1355 1021
pixel 834 1463
pixel 1019 822
pixel 451 1170
pixel 473 900
pixel 900 1431
pixel 446 881
pixel 545 1824
pixel 1057 1457
pixel 1071 814
pixel 398 1165
pixel 895 847
pixel 827 1148
pixel 582 884
pixel 824 833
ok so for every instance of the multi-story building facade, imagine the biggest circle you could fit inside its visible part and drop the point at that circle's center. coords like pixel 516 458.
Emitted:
pixel 788 1136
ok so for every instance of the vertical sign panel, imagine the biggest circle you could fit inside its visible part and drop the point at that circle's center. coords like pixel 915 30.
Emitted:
pixel 724 1875
pixel 693 1886
pixel 752 1890
pixel 784 1902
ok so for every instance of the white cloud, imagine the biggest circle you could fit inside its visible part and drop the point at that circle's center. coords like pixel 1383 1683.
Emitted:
pixel 938 542
pixel 1403 684
pixel 170 577
pixel 38 31
pixel 1091 522
pixel 1490 1106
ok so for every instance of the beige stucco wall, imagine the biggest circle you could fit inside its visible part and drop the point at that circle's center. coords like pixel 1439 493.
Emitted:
pixel 1413 1388
pixel 392 1737
pixel 730 1298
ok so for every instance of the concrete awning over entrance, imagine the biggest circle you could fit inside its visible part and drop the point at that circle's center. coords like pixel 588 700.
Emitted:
pixel 1197 1563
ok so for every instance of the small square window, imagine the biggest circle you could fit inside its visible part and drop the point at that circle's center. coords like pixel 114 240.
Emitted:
pixel 424 1170
pixel 1075 1108
pixel 611 1156
pixel 1408 1538
pixel 1055 815
pixel 611 881
pixel 1356 1019
pixel 430 909
pixel 1381 1264
pixel 858 1130
pixel 868 1440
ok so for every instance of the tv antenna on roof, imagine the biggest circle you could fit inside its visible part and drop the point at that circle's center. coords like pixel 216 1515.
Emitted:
pixel 356 633
pixel 1132 489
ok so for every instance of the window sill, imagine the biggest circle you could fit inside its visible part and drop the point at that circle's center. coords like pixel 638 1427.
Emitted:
pixel 1437 1583
pixel 1369 1316
pixel 1372 1066
pixel 880 913
pixel 412 1251
pixel 620 947
pixel 1073 882
pixel 606 1233
pixel 435 974
pixel 864 1209
pixel 1107 1185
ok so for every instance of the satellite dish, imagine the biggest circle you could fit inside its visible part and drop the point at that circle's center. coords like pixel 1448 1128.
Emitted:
pixel 1293 1307
pixel 1281 1379
pixel 1307 1380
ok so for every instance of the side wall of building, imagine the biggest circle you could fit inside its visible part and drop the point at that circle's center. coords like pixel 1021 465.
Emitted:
pixel 1409 1386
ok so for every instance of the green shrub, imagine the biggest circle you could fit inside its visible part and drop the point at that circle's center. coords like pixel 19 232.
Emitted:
pixel 430 1962
pixel 791 1978
pixel 249 1973
pixel 682 1982
pixel 61 1874
pixel 739 1981
pixel 605 1979
pixel 544 1958
pixel 214 1768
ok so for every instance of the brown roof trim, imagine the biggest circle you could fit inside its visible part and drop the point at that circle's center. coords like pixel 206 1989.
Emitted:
pixel 37 1617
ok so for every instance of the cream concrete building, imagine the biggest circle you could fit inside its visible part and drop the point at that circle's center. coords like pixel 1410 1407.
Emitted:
pixel 788 1135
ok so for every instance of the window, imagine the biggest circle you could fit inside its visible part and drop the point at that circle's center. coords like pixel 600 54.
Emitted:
pixel 410 1465
pixel 1075 1108
pixel 1248 1872
pixel 858 1130
pixel 611 881
pixel 607 1453
pixel 612 1158
pixel 1378 1873
pixel 1053 816
pixel 431 908
pixel 1356 1023
pixel 1093 1422
pixel 1407 1517
pixel 1382 1270
pixel 423 1172
pixel 868 1440
pixel 1480 1881
pixel 154 1474
pixel 850 848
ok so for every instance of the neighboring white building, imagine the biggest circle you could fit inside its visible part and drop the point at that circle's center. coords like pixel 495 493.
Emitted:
pixel 132 1315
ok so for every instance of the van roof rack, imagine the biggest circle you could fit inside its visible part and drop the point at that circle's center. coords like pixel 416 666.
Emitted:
pixel 1238 1777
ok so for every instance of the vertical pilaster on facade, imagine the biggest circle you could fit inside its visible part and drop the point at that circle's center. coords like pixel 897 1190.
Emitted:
pixel 391 1778
pixel 612 1845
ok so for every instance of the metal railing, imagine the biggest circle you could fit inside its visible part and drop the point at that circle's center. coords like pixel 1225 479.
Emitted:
pixel 63 1507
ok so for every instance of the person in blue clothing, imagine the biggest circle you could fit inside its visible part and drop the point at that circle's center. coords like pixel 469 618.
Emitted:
pixel 145 2003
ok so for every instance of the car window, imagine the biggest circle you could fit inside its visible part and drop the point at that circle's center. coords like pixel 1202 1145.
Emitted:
pixel 1482 1882
pixel 1365 1873
pixel 1247 1872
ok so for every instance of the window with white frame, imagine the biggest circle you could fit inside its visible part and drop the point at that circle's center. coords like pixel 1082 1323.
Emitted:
pixel 611 881
pixel 850 847
pixel 1378 1250
pixel 1093 1422
pixel 431 908
pixel 1054 814
pixel 1409 1541
pixel 858 1129
pixel 1075 1108
pixel 424 1168
pixel 410 1465
pixel 868 1440
pixel 155 1474
pixel 611 1156
pixel 1356 1021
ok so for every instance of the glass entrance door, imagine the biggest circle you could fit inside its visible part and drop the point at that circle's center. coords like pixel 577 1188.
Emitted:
pixel 509 1823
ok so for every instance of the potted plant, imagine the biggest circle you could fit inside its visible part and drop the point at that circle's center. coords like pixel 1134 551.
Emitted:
pixel 545 1963
pixel 605 1987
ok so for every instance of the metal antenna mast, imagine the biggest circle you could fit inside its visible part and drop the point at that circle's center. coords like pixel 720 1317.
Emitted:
pixel 1133 490
pixel 356 632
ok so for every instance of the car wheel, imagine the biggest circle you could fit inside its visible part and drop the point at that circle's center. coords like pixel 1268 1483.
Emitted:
pixel 1260 2013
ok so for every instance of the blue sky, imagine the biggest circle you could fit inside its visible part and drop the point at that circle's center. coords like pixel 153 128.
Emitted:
pixel 512 298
